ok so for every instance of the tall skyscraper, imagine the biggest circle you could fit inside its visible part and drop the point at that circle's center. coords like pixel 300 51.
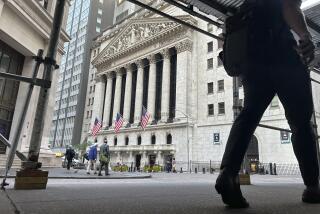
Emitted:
pixel 86 19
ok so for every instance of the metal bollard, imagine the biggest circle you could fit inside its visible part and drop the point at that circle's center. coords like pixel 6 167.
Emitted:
pixel 275 169
pixel 204 170
pixel 181 170
pixel 195 170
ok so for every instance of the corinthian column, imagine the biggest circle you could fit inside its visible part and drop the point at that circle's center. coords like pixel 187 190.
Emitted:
pixel 127 95
pixel 139 93
pixel 117 94
pixel 183 72
pixel 98 96
pixel 107 103
pixel 165 97
pixel 152 87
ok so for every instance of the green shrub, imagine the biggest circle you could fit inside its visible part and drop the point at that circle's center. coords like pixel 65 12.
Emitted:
pixel 122 168
pixel 155 168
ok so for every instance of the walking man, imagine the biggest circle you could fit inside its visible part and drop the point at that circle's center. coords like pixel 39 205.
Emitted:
pixel 70 153
pixel 92 158
pixel 279 68
pixel 104 157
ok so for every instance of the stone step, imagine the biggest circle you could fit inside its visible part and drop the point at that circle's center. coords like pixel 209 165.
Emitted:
pixel 3 160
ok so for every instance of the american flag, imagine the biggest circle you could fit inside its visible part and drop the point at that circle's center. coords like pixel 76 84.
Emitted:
pixel 118 123
pixel 144 117
pixel 96 126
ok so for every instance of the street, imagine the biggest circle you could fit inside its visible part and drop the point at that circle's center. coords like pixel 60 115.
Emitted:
pixel 163 193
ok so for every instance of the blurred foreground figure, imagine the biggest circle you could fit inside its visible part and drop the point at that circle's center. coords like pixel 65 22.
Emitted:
pixel 275 64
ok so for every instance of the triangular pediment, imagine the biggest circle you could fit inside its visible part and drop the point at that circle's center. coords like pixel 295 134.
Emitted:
pixel 136 34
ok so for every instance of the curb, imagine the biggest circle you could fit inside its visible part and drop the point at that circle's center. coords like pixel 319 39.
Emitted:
pixel 91 177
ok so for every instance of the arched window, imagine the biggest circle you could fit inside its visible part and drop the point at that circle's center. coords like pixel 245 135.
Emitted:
pixel 139 140
pixel 153 139
pixel 115 141
pixel 127 141
pixel 169 139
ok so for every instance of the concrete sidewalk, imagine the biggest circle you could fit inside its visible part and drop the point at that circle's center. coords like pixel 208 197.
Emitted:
pixel 165 193
pixel 63 173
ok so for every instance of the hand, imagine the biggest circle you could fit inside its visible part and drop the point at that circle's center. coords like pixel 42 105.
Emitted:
pixel 306 49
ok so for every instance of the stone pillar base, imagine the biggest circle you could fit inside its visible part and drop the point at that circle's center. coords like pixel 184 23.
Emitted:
pixel 31 179
pixel 245 179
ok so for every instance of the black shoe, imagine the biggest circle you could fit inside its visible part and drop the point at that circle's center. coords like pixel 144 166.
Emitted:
pixel 99 174
pixel 107 174
pixel 311 195
pixel 88 173
pixel 228 186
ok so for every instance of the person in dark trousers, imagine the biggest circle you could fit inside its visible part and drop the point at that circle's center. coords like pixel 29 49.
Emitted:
pixel 283 71
pixel 104 157
pixel 70 153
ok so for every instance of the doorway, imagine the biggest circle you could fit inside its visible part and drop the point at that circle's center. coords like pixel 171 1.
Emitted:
pixel 10 62
pixel 138 162
pixel 152 160
pixel 253 154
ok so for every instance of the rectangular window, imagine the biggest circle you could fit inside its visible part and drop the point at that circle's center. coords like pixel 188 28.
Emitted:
pixel 210 110
pixel 92 100
pixel 221 108
pixel 89 101
pixel 220 42
pixel 100 11
pixel 101 1
pixel 209 63
pixel 90 90
pixel 210 47
pixel 210 88
pixel 99 20
pixel 219 61
pixel 220 85
pixel 98 29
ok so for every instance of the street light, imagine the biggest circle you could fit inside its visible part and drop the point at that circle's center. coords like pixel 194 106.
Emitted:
pixel 188 156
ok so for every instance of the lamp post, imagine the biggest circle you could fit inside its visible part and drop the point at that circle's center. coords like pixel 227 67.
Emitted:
pixel 188 156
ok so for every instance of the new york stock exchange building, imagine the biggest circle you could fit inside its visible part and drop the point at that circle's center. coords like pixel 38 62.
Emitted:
pixel 174 72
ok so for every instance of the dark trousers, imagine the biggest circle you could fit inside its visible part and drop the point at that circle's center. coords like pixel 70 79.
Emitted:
pixel 292 85
pixel 106 167
pixel 69 164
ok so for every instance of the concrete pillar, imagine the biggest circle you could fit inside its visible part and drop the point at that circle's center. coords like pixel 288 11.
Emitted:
pixel 159 158
pixel 165 97
pixel 119 158
pixel 144 160
pixel 139 93
pixel 117 94
pixel 98 99
pixel 152 88
pixel 107 103
pixel 183 70
pixel 127 95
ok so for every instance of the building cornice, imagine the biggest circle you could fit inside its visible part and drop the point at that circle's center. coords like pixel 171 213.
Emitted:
pixel 38 18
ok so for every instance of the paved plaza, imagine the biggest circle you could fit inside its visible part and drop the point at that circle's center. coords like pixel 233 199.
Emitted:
pixel 163 193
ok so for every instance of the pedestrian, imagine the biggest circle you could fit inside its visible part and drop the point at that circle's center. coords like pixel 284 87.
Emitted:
pixel 92 158
pixel 104 157
pixel 278 65
pixel 70 153
pixel 174 165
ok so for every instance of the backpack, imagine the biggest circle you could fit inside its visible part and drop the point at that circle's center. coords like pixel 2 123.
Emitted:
pixel 249 35
pixel 86 156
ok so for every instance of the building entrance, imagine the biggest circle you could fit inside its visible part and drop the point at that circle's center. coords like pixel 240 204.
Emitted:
pixel 253 154
pixel 10 62
pixel 138 162
pixel 152 160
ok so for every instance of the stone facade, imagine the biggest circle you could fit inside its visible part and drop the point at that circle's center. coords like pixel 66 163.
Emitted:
pixel 25 27
pixel 197 133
